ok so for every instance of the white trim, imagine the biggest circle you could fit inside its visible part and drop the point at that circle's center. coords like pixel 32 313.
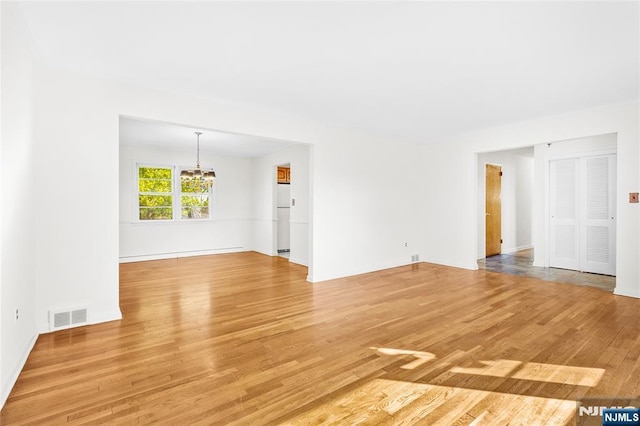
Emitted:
pixel 298 261
pixel 265 252
pixel 105 316
pixel 178 201
pixel 176 196
pixel 517 249
pixel 16 372
pixel 635 294
pixel 581 153
pixel 175 255
pixel 136 191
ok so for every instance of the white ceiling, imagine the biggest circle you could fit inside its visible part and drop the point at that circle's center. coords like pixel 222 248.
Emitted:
pixel 180 137
pixel 406 70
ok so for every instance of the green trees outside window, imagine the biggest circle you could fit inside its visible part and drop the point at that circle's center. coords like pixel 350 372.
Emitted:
pixel 155 193
pixel 156 196
pixel 194 200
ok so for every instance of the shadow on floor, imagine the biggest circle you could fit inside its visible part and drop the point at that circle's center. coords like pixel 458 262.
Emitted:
pixel 521 263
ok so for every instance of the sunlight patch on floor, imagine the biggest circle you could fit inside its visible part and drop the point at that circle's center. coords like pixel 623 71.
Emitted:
pixel 421 357
pixel 382 401
pixel 565 374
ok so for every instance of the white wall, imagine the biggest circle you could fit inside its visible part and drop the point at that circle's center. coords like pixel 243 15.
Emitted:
pixel 265 206
pixel 456 165
pixel 516 198
pixel 230 230
pixel 366 216
pixel 76 154
pixel 18 208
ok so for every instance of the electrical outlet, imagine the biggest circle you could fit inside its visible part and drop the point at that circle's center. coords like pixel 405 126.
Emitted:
pixel 17 314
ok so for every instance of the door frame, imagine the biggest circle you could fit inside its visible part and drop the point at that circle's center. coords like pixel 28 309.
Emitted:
pixel 274 183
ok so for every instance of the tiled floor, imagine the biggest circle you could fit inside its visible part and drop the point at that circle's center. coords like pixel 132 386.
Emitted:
pixel 521 263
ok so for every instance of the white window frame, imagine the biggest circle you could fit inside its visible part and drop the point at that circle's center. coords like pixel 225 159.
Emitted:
pixel 176 196
pixel 179 194
pixel 137 193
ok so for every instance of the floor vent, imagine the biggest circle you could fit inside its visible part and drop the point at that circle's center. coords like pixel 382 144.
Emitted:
pixel 59 320
pixel 415 258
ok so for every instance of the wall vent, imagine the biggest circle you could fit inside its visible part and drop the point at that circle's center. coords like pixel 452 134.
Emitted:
pixel 59 320
pixel 415 258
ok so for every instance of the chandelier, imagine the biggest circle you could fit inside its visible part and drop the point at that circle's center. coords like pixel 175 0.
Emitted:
pixel 197 176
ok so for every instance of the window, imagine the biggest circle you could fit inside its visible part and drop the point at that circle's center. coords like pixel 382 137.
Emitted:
pixel 194 200
pixel 162 195
pixel 155 193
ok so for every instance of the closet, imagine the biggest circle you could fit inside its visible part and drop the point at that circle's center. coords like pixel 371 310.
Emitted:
pixel 582 207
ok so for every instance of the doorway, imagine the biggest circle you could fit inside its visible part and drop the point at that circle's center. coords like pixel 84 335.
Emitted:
pixel 493 214
pixel 513 199
pixel 283 206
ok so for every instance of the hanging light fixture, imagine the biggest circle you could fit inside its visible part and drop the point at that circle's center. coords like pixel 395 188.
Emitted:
pixel 203 178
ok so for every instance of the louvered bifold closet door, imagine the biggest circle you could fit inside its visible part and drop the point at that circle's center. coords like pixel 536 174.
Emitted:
pixel 564 209
pixel 598 219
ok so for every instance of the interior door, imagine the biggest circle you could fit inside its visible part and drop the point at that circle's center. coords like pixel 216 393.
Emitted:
pixel 493 216
pixel 582 207
pixel 563 205
pixel 598 227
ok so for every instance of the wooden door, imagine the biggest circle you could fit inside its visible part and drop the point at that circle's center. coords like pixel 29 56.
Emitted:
pixel 493 203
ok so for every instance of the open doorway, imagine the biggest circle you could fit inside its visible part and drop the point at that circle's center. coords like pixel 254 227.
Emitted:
pixel 505 201
pixel 283 206
pixel 241 204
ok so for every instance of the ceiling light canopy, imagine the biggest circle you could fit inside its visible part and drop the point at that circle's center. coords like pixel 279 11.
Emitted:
pixel 203 178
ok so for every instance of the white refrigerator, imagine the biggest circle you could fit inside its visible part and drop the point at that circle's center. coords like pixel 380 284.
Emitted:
pixel 284 214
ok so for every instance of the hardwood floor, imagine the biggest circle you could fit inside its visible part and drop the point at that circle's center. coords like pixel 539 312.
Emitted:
pixel 243 339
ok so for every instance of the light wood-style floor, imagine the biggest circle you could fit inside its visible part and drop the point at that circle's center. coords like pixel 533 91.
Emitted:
pixel 243 339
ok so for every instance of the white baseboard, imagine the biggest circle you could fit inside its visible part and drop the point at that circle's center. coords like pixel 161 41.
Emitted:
pixel 516 249
pixel 175 255
pixel 16 372
pixel 106 317
pixel 298 261
pixel 266 253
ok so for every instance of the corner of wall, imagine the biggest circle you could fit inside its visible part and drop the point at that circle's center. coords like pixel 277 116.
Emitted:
pixel 7 385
